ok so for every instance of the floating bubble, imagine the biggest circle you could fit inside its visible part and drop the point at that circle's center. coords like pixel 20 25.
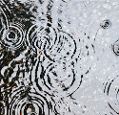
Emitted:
pixel 105 24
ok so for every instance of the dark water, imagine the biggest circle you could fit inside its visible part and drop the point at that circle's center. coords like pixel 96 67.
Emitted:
pixel 59 57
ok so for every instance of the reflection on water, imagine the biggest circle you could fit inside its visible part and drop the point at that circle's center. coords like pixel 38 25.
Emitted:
pixel 59 57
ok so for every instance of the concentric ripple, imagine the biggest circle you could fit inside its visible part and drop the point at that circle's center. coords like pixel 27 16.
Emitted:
pixel 59 48
pixel 55 44
pixel 12 37
pixel 64 48
pixel 56 78
pixel 29 103
pixel 115 48
pixel 112 91
pixel 42 38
